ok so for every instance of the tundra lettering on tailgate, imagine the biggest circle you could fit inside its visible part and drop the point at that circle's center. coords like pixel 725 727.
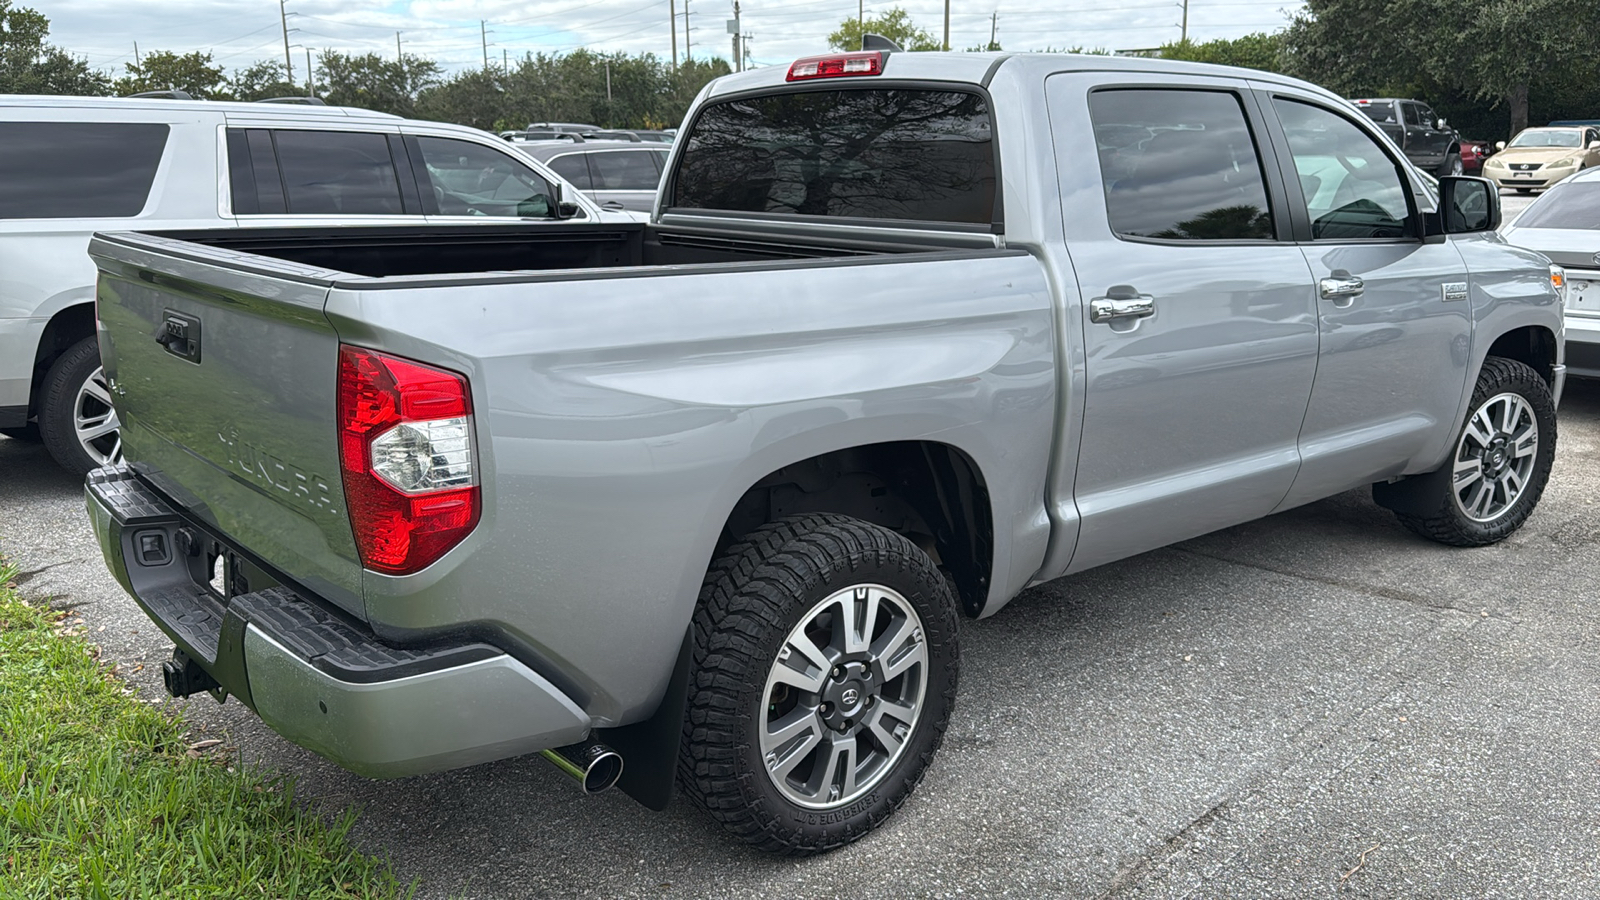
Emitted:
pixel 307 488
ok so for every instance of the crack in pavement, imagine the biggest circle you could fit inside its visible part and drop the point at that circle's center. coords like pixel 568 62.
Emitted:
pixel 1347 584
pixel 1130 875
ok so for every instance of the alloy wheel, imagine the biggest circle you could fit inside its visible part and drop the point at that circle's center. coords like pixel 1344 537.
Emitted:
pixel 95 422
pixel 1495 457
pixel 843 696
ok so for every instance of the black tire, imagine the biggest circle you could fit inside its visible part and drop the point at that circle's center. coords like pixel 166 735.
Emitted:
pixel 57 399
pixel 753 599
pixel 1451 165
pixel 1432 508
pixel 28 432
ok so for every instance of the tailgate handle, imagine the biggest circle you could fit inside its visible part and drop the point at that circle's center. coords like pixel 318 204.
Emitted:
pixel 179 334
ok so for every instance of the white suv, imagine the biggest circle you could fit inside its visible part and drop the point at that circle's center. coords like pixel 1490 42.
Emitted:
pixel 71 166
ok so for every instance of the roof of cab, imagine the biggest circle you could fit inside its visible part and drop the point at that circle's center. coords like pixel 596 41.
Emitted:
pixel 286 110
pixel 980 68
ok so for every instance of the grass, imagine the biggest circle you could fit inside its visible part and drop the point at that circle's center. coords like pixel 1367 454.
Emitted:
pixel 103 796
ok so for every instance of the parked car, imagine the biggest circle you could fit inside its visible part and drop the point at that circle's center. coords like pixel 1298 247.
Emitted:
pixel 1425 139
pixel 1474 154
pixel 1540 157
pixel 570 127
pixel 72 165
pixel 708 495
pixel 615 174
pixel 1564 224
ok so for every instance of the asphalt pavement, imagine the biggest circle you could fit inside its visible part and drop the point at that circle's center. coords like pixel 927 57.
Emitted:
pixel 1315 704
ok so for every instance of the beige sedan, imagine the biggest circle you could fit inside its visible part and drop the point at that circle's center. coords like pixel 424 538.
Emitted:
pixel 1540 157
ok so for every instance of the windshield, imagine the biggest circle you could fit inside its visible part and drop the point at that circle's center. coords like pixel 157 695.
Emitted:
pixel 1548 137
pixel 891 153
pixel 1565 206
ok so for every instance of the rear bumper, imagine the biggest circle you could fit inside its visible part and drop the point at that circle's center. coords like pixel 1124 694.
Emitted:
pixel 315 677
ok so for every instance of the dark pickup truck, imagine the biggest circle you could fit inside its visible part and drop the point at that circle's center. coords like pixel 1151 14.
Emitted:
pixel 1422 136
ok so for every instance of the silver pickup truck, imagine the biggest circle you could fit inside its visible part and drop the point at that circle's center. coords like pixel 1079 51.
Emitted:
pixel 701 502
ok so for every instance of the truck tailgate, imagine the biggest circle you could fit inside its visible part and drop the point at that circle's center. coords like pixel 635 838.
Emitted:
pixel 225 379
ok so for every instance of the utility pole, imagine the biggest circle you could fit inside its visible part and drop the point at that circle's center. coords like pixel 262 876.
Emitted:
pixel 483 32
pixel 311 81
pixel 861 19
pixel 1185 37
pixel 672 18
pixel 994 22
pixel 288 61
pixel 136 60
pixel 608 84
pixel 505 60
pixel 738 39
pixel 947 25
pixel 687 54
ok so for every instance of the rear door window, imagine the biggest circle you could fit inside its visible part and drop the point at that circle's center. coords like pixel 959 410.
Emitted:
pixel 473 180
pixel 338 173
pixel 1179 165
pixel 574 167
pixel 62 170
pixel 1573 205
pixel 875 153
pixel 623 170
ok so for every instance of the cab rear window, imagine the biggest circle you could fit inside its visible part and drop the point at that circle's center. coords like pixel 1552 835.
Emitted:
pixel 888 153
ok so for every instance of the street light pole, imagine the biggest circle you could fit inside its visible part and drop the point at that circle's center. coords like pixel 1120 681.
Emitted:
pixel 947 25
pixel 1185 36
pixel 672 19
pixel 311 82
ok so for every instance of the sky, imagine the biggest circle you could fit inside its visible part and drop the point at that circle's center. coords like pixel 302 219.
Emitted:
pixel 240 32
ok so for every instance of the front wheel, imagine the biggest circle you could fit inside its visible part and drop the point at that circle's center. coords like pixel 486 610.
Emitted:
pixel 825 666
pixel 1503 454
pixel 1452 165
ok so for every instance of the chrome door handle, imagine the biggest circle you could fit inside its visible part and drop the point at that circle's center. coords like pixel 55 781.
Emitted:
pixel 1109 309
pixel 1341 286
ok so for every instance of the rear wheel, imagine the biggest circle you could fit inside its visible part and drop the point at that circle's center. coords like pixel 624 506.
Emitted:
pixel 1503 455
pixel 1452 165
pixel 825 666
pixel 76 419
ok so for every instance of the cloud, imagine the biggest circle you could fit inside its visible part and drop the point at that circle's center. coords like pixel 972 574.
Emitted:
pixel 448 31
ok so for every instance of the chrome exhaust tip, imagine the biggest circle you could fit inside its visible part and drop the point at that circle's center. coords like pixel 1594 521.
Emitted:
pixel 592 764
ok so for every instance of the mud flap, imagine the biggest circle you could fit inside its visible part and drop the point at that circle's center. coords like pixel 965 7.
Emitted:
pixel 650 748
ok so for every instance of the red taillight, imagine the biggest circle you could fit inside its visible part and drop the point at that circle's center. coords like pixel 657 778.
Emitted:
pixel 838 65
pixel 405 444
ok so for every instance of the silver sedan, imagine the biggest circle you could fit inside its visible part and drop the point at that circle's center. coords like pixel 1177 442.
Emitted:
pixel 1564 224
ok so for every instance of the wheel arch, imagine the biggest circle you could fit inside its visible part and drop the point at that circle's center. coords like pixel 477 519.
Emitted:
pixel 1533 345
pixel 66 327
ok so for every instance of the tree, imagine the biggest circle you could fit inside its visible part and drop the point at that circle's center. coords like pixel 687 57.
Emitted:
pixel 263 80
pixel 1504 52
pixel 370 81
pixel 30 66
pixel 1253 51
pixel 163 70
pixel 896 25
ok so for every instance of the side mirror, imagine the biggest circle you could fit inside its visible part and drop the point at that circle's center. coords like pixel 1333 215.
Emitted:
pixel 560 206
pixel 1468 205
pixel 1499 145
pixel 1594 145
pixel 1441 125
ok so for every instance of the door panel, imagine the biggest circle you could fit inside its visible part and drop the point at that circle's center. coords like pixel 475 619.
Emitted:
pixel 1200 336
pixel 1394 351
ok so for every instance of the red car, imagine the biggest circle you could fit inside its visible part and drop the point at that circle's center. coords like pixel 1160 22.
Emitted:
pixel 1473 153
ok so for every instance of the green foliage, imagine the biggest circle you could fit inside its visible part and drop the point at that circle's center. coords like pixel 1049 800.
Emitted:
pixel 1253 51
pixel 371 81
pixel 28 65
pixel 1515 54
pixel 107 796
pixel 645 91
pixel 263 80
pixel 896 25
pixel 162 70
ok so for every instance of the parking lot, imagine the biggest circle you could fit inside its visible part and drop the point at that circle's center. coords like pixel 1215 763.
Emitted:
pixel 1317 703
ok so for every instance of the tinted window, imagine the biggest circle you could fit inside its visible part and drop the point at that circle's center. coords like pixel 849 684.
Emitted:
pixel 337 173
pixel 574 168
pixel 63 170
pixel 1572 205
pixel 1381 112
pixel 1352 188
pixel 876 153
pixel 1179 165
pixel 1410 109
pixel 473 180
pixel 623 170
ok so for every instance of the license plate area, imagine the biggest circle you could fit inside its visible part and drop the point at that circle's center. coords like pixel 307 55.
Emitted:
pixel 1583 294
